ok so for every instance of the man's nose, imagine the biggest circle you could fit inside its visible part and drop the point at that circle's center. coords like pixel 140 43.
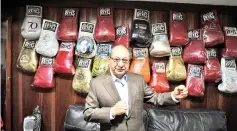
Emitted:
pixel 120 63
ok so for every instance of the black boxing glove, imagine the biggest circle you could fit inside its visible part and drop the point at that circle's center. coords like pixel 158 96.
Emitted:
pixel 141 33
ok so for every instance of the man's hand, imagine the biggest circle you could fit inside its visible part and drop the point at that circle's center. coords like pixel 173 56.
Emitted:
pixel 180 92
pixel 119 108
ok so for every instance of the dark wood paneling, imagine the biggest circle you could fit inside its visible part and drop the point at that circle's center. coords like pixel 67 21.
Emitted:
pixel 8 108
pixel 54 102
pixel 17 94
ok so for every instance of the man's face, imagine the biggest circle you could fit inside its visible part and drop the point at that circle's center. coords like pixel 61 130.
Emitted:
pixel 119 61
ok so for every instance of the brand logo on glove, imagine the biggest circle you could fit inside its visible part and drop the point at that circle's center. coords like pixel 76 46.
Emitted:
pixel 105 11
pixel 211 53
pixel 29 44
pixel 46 61
pixel 87 27
pixel 159 28
pixel 103 49
pixel 139 53
pixel 209 16
pixel 50 26
pixel 34 11
pixel 230 64
pixel 142 14
pixel 195 71
pixel 178 16
pixel 231 31
pixel 70 13
pixel 194 34
pixel 176 51
pixel 160 67
pixel 121 31
pixel 66 46
pixel 83 63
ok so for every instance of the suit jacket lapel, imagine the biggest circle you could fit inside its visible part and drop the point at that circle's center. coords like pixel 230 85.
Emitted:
pixel 110 87
pixel 131 92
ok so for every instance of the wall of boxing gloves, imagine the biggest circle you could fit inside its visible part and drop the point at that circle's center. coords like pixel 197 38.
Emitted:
pixel 79 51
pixel 58 42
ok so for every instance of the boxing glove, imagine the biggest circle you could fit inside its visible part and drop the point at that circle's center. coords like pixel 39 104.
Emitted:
pixel 48 43
pixel 159 81
pixel 194 51
pixel 64 59
pixel 224 54
pixel 178 32
pixel 27 60
pixel 140 63
pixel 212 67
pixel 195 81
pixel 141 34
pixel 86 45
pixel 104 29
pixel 122 35
pixel 101 63
pixel 231 41
pixel 229 76
pixel 83 76
pixel 44 76
pixel 68 27
pixel 213 34
pixel 31 26
pixel 175 68
pixel 160 44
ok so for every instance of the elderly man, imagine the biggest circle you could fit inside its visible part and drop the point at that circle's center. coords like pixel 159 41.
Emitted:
pixel 115 99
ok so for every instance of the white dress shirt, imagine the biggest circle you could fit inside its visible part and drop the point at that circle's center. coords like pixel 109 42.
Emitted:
pixel 122 88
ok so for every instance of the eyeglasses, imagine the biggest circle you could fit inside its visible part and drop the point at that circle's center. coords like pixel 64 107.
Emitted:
pixel 117 60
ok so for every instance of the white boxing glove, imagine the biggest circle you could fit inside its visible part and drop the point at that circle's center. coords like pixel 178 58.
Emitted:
pixel 160 44
pixel 48 43
pixel 31 26
pixel 229 76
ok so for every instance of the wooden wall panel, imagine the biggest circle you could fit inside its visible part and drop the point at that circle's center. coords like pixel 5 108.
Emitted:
pixel 54 102
pixel 17 98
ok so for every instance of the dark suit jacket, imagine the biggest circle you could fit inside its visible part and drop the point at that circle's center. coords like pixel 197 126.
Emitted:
pixel 103 95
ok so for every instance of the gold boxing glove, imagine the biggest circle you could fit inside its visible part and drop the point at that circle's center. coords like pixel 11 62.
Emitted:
pixel 83 76
pixel 175 69
pixel 27 60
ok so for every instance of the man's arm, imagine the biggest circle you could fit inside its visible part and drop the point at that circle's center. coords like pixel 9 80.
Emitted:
pixel 92 111
pixel 154 98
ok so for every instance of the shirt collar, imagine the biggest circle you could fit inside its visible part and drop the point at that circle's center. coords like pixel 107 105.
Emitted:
pixel 115 78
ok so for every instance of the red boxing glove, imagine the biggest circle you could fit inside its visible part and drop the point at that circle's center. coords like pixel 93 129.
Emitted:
pixel 64 59
pixel 122 35
pixel 159 81
pixel 178 32
pixel 195 81
pixel 231 41
pixel 212 68
pixel 44 76
pixel 68 27
pixel 194 51
pixel 213 34
pixel 104 29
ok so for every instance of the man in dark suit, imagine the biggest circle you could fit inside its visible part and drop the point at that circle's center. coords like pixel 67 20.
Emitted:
pixel 115 99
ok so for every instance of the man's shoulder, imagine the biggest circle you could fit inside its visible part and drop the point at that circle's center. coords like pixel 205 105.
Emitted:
pixel 99 77
pixel 134 75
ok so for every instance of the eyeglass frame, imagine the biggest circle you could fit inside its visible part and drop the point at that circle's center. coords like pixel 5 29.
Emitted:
pixel 117 60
